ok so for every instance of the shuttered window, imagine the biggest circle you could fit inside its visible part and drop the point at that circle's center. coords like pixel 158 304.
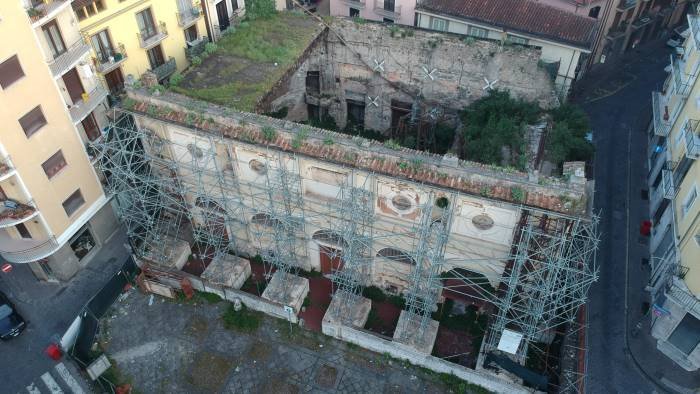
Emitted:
pixel 10 72
pixel 32 121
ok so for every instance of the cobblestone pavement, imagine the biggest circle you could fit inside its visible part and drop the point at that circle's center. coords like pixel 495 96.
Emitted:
pixel 176 348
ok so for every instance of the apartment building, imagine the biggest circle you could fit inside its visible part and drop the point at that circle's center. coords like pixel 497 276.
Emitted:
pixel 674 184
pixel 130 37
pixel 628 23
pixel 54 215
pixel 565 38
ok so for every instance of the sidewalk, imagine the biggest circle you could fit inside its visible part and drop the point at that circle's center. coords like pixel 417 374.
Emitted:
pixel 50 308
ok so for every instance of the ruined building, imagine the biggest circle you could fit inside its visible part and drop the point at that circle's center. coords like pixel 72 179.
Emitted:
pixel 203 188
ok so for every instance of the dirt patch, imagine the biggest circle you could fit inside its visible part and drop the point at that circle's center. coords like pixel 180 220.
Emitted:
pixel 209 371
pixel 369 361
pixel 279 386
pixel 197 327
pixel 326 376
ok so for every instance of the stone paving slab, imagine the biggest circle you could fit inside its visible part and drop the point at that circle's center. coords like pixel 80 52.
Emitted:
pixel 169 347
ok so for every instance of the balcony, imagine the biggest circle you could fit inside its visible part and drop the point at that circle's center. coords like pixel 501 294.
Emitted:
pixel 46 11
pixel 359 4
pixel 691 129
pixel 90 101
pixel 642 21
pixel 13 212
pixel 111 61
pixel 7 169
pixel 682 82
pixel 195 48
pixel 662 118
pixel 625 5
pixel 694 23
pixel 384 9
pixel 68 59
pixel 26 250
pixel 187 17
pixel 667 183
pixel 165 69
pixel 158 34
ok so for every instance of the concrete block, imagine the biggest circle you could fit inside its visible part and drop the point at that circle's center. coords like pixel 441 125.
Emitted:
pixel 287 289
pixel 228 271
pixel 353 313
pixel 408 330
pixel 174 253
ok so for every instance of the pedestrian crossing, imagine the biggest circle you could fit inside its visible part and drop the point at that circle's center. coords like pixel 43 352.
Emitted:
pixel 59 380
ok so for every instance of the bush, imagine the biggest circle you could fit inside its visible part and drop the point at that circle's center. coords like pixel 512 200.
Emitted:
pixel 567 139
pixel 244 320
pixel 196 60
pixel 175 79
pixel 269 133
pixel 307 302
pixel 374 293
pixel 397 301
pixel 210 298
pixel 260 9
pixel 210 48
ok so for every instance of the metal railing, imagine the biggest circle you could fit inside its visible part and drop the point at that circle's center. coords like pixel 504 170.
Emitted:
pixel 662 125
pixel 626 4
pixel 691 129
pixel 60 64
pixel 34 252
pixel 6 167
pixel 195 48
pixel 355 3
pixel 111 59
pixel 380 8
pixel 79 111
pixel 13 211
pixel 165 69
pixel 41 13
pixel 694 23
pixel 681 81
pixel 188 16
pixel 667 180
pixel 157 35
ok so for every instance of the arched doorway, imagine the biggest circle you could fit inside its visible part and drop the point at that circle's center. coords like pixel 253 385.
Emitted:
pixel 330 245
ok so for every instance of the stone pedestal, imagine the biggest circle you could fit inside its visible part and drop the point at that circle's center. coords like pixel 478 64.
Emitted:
pixel 287 289
pixel 408 330
pixel 353 313
pixel 228 271
pixel 171 252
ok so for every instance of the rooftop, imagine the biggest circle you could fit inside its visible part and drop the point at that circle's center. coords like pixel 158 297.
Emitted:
pixel 524 16
pixel 250 60
pixel 491 182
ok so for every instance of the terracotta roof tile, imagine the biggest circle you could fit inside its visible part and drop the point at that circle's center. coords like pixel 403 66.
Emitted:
pixel 522 16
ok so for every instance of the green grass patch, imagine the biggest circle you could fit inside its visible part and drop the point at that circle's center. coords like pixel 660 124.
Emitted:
pixel 244 320
pixel 374 293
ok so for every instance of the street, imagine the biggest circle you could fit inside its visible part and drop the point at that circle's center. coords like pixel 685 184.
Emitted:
pixel 49 308
pixel 618 363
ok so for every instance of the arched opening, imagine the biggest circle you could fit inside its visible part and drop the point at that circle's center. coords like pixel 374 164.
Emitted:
pixel 396 255
pixel 265 219
pixel 329 237
pixel 593 12
pixel 442 202
pixel 330 257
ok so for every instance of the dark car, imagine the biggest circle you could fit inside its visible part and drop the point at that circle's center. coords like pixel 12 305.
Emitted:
pixel 11 323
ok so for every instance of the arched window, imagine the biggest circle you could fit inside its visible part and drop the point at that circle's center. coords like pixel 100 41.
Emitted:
pixel 396 255
pixel 329 237
pixel 264 219
pixel 210 205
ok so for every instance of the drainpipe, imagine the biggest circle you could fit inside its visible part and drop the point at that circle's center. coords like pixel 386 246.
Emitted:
pixel 207 22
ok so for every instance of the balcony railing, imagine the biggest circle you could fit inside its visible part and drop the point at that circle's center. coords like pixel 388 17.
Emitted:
pixel 642 21
pixel 381 8
pixel 355 3
pixel 165 69
pixel 188 16
pixel 111 60
pixel 667 181
pixel 660 111
pixel 691 129
pixel 13 212
pixel 694 23
pixel 624 5
pixel 195 48
pixel 80 110
pixel 682 82
pixel 148 40
pixel 26 250
pixel 46 11
pixel 68 59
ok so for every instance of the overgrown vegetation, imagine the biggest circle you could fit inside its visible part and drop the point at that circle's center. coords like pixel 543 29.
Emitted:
pixel 499 121
pixel 260 9
pixel 244 320
pixel 374 293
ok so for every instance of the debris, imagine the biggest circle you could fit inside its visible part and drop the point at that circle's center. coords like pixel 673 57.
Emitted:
pixel 150 300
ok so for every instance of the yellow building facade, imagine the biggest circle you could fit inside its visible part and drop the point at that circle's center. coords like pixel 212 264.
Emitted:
pixel 675 206
pixel 54 214
pixel 130 37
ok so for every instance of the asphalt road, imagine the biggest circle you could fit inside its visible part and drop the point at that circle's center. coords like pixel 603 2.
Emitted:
pixel 619 123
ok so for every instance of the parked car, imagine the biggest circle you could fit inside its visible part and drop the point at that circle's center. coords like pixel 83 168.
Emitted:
pixel 11 322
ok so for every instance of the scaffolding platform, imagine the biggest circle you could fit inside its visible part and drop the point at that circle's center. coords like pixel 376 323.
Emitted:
pixel 342 312
pixel 409 331
pixel 287 289
pixel 228 271
pixel 172 253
